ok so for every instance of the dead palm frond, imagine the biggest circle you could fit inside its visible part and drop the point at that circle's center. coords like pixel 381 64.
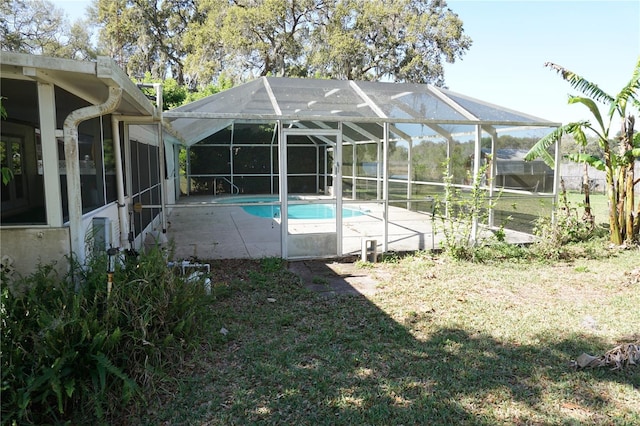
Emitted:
pixel 617 358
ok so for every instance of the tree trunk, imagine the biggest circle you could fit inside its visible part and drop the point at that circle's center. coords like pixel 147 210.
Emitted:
pixel 627 142
pixel 612 195
pixel 587 217
pixel 636 221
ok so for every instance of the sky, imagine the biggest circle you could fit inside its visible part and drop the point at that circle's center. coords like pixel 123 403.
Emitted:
pixel 512 40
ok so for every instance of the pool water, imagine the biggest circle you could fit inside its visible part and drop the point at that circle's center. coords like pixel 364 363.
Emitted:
pixel 295 211
pixel 302 211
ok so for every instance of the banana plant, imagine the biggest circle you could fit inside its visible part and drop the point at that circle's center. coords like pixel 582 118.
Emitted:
pixel 618 156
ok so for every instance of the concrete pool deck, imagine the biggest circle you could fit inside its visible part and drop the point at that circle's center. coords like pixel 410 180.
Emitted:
pixel 197 228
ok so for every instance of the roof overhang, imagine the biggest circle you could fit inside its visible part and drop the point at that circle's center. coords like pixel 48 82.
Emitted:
pixel 87 80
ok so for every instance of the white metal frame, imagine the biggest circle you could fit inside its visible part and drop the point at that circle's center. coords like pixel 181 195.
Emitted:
pixel 283 135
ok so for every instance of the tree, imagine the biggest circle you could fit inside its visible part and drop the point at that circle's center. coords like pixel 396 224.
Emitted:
pixel 145 35
pixel 618 157
pixel 38 27
pixel 404 40
pixel 251 38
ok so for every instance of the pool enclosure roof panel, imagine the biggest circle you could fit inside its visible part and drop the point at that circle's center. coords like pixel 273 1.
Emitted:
pixel 317 100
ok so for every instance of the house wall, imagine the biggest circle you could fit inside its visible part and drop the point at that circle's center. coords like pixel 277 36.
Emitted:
pixel 96 237
pixel 24 248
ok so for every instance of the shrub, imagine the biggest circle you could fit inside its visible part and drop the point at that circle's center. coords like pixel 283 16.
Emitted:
pixel 568 227
pixel 82 356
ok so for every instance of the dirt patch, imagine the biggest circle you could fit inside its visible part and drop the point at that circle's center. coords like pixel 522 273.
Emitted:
pixel 332 278
pixel 228 270
pixel 328 277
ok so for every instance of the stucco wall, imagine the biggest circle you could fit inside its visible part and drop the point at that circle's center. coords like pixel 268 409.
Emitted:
pixel 26 247
pixel 110 212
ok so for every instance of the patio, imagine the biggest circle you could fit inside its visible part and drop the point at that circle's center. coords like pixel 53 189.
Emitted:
pixel 199 229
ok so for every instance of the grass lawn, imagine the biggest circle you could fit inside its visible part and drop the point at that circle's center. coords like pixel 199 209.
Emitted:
pixel 438 343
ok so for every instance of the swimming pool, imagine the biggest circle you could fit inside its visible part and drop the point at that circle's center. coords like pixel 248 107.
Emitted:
pixel 295 211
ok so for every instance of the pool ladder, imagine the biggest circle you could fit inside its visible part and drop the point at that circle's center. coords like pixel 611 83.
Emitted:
pixel 234 188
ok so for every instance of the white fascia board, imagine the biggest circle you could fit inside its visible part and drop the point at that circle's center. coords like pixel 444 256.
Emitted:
pixel 109 72
pixel 46 62
pixel 105 70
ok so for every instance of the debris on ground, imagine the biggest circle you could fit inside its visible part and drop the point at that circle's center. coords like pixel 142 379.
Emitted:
pixel 617 358
pixel 634 277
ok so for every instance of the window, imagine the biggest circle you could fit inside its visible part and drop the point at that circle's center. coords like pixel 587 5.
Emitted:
pixel 23 194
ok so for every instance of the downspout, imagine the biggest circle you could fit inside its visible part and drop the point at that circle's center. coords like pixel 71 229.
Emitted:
pixel 123 216
pixel 74 187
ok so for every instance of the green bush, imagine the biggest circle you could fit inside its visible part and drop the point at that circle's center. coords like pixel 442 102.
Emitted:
pixel 555 238
pixel 80 355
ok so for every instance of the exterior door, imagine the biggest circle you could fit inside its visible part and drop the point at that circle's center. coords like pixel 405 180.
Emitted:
pixel 310 179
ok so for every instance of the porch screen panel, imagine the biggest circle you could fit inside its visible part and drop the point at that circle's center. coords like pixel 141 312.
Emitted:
pixel 252 169
pixel 398 168
pixel 97 165
pixel 210 168
pixel 513 172
pixel 146 189
pixel 302 167
pixel 462 155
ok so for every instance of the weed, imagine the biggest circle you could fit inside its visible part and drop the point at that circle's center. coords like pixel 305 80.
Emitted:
pixel 364 265
pixel 461 214
pixel 391 257
pixel 271 264
pixel 554 237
